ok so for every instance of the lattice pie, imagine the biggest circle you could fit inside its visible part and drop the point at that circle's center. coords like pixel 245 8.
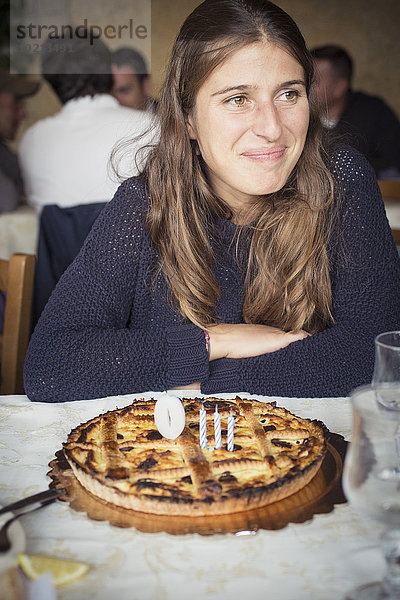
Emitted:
pixel 121 458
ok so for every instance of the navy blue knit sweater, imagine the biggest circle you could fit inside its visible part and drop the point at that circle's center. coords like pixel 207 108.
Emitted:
pixel 107 329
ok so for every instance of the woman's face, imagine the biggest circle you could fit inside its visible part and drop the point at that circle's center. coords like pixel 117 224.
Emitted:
pixel 250 121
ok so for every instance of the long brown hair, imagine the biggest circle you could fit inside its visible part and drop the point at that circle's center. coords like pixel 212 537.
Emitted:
pixel 287 283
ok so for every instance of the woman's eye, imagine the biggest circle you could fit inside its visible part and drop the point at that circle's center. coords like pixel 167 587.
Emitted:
pixel 237 100
pixel 290 95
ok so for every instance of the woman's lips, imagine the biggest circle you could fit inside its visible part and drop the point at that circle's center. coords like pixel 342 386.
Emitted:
pixel 267 154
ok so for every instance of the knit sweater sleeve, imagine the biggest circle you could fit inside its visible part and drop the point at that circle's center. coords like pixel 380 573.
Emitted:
pixel 366 301
pixel 85 345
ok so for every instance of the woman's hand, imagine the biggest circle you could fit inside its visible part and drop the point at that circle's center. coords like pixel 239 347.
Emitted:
pixel 242 340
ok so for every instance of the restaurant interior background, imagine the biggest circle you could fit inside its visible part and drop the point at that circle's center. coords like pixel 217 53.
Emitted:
pixel 368 30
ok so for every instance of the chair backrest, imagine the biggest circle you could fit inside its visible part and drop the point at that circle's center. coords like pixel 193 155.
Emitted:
pixel 62 233
pixel 16 280
pixel 390 190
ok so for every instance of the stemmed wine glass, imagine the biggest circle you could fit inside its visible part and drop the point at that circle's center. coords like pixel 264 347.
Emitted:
pixel 387 365
pixel 387 357
pixel 371 477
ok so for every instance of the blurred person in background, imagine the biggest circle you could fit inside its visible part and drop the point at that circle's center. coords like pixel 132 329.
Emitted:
pixel 65 157
pixel 13 90
pixel 366 122
pixel 132 81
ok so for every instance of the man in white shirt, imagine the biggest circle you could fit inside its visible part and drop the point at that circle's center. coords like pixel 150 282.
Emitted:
pixel 65 159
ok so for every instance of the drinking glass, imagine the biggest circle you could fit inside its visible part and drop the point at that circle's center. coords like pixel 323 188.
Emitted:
pixel 371 478
pixel 387 357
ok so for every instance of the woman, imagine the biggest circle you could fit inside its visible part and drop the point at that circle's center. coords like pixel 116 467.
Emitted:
pixel 245 257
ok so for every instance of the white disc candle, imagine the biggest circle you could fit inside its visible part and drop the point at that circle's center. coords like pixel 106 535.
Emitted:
pixel 169 416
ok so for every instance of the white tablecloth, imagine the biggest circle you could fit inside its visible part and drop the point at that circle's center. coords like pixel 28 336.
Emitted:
pixel 317 560
pixel 18 232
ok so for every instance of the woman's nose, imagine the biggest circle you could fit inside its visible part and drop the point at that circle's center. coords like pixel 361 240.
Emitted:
pixel 267 122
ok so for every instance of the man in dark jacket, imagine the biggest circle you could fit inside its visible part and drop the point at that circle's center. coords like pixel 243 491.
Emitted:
pixel 364 121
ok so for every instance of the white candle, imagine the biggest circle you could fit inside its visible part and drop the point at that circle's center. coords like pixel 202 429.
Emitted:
pixel 231 425
pixel 169 416
pixel 217 428
pixel 203 428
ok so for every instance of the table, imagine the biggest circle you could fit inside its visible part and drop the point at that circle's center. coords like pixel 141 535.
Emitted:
pixel 18 232
pixel 317 560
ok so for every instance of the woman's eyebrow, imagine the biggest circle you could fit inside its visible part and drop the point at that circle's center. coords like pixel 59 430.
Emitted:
pixel 235 88
pixel 247 87
pixel 293 82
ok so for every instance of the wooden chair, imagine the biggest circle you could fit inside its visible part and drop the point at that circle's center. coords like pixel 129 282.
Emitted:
pixel 390 190
pixel 16 279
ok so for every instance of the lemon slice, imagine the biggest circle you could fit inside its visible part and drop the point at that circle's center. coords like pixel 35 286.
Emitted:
pixel 63 571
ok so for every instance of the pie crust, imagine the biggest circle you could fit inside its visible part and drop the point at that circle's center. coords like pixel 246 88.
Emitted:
pixel 121 458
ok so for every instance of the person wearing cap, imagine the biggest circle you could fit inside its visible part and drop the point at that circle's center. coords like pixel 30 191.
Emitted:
pixel 13 90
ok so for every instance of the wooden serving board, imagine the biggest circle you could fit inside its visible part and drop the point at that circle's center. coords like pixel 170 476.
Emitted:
pixel 319 496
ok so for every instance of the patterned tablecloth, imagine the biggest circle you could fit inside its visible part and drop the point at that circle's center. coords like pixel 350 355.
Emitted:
pixel 316 560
